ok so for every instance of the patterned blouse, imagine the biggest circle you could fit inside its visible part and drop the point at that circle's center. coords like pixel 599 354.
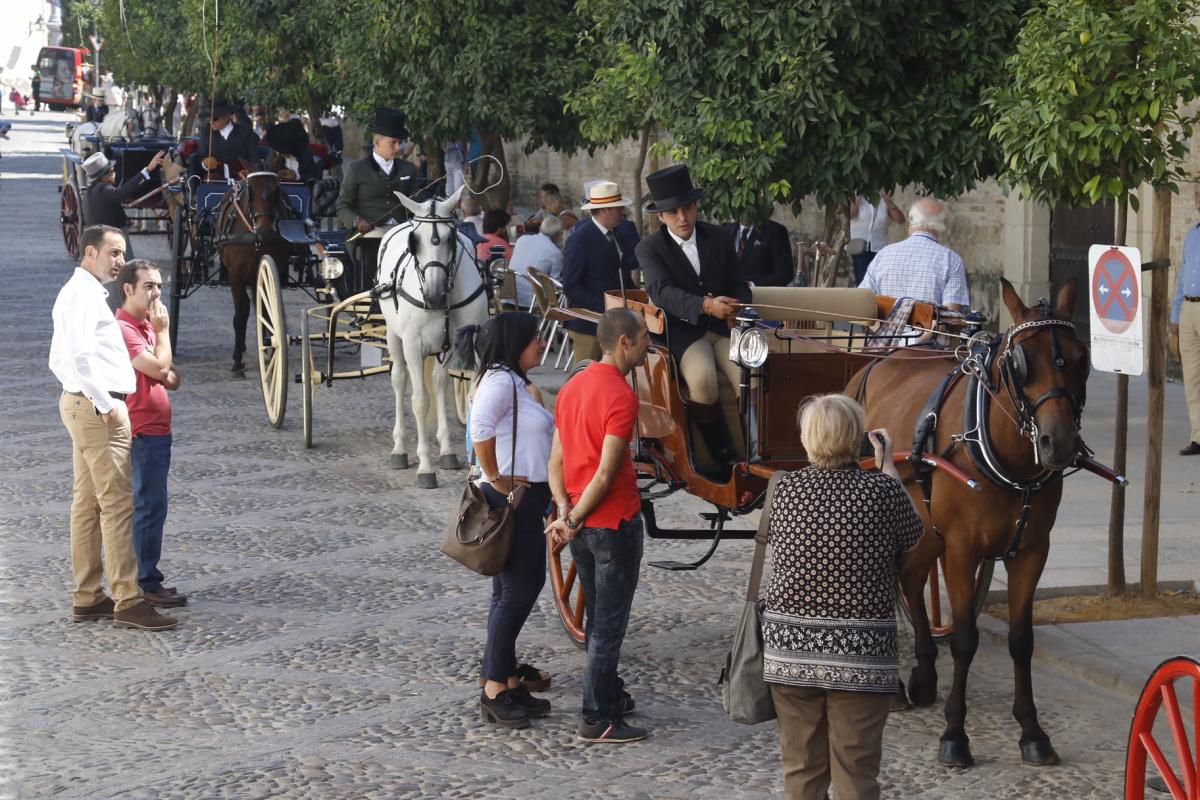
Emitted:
pixel 830 617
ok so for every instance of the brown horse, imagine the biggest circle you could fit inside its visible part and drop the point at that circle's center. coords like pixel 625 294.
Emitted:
pixel 1008 416
pixel 246 230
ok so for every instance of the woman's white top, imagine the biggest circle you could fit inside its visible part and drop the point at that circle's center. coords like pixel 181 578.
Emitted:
pixel 871 223
pixel 492 416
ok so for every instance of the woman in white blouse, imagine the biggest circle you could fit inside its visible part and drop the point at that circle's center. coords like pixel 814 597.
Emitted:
pixel 509 346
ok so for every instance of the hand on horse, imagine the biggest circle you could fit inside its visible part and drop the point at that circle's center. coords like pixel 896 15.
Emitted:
pixel 721 307
pixel 363 226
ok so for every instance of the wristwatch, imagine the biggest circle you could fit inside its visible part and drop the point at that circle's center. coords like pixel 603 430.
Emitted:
pixel 572 524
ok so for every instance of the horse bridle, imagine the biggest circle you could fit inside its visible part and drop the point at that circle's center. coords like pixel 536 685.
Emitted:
pixel 421 266
pixel 1013 365
pixel 251 223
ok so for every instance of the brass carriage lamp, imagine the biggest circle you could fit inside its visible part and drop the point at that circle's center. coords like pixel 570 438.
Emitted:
pixel 748 346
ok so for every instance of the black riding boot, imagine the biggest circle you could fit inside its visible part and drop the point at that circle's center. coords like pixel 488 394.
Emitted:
pixel 716 436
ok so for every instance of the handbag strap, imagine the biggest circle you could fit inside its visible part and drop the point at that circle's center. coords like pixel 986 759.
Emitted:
pixel 512 464
pixel 760 540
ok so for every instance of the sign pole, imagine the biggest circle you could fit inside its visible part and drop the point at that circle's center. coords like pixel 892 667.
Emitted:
pixel 1152 496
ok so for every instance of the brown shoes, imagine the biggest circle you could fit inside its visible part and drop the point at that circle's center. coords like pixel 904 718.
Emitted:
pixel 165 598
pixel 1192 449
pixel 143 617
pixel 102 610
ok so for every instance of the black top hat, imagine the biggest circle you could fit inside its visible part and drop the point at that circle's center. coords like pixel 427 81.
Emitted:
pixel 288 138
pixel 389 122
pixel 671 188
pixel 221 108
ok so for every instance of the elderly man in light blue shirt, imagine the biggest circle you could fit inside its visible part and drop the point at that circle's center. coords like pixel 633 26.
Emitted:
pixel 1185 323
pixel 538 250
pixel 920 267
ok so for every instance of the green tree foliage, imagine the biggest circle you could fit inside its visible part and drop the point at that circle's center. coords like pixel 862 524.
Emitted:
pixel 1094 100
pixel 772 101
pixel 147 42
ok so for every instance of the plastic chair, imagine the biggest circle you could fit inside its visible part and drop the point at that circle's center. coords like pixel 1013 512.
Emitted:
pixel 549 291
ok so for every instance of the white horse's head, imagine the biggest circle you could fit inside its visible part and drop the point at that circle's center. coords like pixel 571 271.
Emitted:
pixel 433 243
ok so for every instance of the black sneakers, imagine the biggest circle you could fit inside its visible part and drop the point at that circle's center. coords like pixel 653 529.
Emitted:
pixel 503 710
pixel 615 731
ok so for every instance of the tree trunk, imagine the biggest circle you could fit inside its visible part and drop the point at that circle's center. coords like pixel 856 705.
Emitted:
pixel 189 117
pixel 314 117
pixel 169 111
pixel 1116 507
pixel 638 169
pixel 497 196
pixel 1152 493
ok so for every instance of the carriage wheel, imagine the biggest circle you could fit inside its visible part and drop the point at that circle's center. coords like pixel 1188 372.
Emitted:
pixel 272 341
pixel 1159 693
pixel 567 591
pixel 940 625
pixel 69 218
pixel 180 274
pixel 306 378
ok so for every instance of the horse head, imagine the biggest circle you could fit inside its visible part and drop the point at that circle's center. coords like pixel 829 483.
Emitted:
pixel 263 201
pixel 433 244
pixel 1044 367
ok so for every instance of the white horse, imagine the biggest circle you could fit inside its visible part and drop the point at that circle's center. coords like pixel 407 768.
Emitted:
pixel 429 287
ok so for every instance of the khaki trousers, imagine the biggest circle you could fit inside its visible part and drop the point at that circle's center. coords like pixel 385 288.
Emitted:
pixel 102 506
pixel 699 368
pixel 1189 356
pixel 826 733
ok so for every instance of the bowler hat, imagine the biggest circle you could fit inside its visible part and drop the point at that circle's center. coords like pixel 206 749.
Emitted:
pixel 671 188
pixel 96 166
pixel 389 122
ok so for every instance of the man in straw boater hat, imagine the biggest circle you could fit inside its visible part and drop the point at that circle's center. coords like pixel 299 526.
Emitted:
pixel 97 110
pixel 593 262
pixel 228 145
pixel 103 200
pixel 691 273
pixel 367 203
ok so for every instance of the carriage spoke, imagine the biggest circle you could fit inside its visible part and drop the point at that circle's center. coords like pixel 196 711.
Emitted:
pixel 580 605
pixel 569 581
pixel 1164 769
pixel 1179 734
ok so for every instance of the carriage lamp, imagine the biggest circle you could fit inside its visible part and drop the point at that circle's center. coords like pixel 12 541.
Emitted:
pixel 331 268
pixel 747 345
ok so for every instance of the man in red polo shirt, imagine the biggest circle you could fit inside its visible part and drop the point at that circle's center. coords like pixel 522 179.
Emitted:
pixel 599 512
pixel 145 327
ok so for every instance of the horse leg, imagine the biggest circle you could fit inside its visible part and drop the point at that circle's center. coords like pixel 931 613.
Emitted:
pixel 914 572
pixel 426 475
pixel 1023 574
pixel 399 456
pixel 955 747
pixel 440 378
pixel 241 314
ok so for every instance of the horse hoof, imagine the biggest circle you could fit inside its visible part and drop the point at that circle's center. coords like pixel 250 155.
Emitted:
pixel 1039 753
pixel 398 461
pixel 238 373
pixel 426 480
pixel 449 461
pixel 922 693
pixel 955 753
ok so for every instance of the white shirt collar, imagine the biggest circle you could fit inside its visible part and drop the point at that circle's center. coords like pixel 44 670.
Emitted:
pixel 228 129
pixel 383 163
pixel 603 229
pixel 690 242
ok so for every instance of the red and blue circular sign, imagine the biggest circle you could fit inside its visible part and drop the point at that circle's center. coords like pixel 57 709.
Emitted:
pixel 1115 291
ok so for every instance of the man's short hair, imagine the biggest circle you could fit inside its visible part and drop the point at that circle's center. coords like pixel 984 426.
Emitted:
pixel 495 220
pixel 927 214
pixel 551 226
pixel 470 205
pixel 128 276
pixel 615 323
pixel 93 236
pixel 549 187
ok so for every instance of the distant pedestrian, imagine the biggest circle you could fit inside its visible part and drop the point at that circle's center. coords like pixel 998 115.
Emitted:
pixel 145 327
pixel 542 251
pixel 495 225
pixel 869 226
pixel 921 267
pixel 600 513
pixel 829 624
pixel 509 347
pixel 1185 323
pixel 88 356
pixel 104 201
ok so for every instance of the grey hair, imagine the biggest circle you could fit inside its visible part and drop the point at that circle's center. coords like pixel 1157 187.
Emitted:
pixel 551 226
pixel 927 214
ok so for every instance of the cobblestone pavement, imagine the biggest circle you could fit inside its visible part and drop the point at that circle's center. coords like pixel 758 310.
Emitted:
pixel 330 651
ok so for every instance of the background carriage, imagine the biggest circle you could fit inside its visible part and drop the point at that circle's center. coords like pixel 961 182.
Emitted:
pixel 148 214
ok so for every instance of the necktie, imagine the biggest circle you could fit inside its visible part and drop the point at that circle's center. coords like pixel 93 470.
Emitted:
pixel 613 241
pixel 742 241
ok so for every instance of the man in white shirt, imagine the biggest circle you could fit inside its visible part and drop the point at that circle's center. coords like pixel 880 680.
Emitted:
pixel 538 250
pixel 920 267
pixel 88 356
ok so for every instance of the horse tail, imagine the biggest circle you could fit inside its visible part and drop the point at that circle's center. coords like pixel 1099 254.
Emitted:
pixel 464 355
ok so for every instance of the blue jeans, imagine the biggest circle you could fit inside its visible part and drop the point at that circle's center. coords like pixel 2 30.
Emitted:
pixel 151 457
pixel 516 588
pixel 607 563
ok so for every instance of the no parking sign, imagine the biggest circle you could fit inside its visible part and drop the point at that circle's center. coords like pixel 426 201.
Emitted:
pixel 1115 299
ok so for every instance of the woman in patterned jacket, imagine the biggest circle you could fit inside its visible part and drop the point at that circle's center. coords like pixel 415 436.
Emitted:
pixel 829 627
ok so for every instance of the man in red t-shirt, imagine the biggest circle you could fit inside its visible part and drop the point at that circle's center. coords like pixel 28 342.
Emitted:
pixel 599 512
pixel 145 327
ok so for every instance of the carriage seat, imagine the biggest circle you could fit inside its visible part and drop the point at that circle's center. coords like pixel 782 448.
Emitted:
pixel 209 195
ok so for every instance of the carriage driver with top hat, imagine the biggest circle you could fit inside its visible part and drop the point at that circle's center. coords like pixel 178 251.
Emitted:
pixel 228 145
pixel 367 203
pixel 692 273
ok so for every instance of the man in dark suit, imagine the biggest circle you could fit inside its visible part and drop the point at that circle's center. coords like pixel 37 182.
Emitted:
pixel 691 273
pixel 103 200
pixel 228 147
pixel 764 252
pixel 367 203
pixel 594 262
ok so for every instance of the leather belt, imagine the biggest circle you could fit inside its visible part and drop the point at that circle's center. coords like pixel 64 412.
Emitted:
pixel 114 395
pixel 1191 299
